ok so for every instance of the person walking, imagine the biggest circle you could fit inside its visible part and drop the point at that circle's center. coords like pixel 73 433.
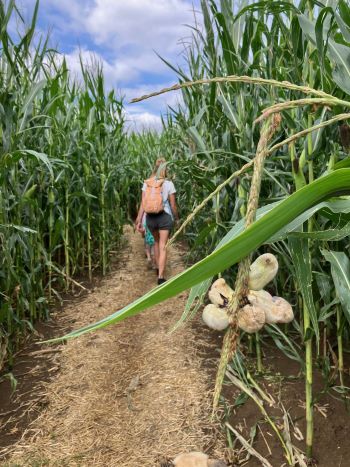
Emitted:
pixel 159 204
pixel 149 244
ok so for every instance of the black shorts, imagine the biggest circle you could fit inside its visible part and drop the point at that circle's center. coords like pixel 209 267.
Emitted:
pixel 161 221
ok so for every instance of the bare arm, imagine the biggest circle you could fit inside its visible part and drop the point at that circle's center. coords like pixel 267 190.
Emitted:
pixel 172 201
pixel 138 221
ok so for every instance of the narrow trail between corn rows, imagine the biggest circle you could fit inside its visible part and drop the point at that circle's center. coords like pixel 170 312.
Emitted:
pixel 129 395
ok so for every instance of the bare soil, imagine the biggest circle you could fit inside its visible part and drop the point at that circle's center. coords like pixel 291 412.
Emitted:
pixel 135 395
pixel 283 381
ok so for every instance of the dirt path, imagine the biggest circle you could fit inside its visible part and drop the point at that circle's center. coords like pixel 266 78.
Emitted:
pixel 128 395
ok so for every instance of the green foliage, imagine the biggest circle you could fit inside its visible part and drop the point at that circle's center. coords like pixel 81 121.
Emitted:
pixel 340 268
pixel 64 181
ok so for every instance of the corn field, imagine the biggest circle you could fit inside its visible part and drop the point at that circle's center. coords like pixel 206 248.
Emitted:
pixel 70 176
pixel 63 177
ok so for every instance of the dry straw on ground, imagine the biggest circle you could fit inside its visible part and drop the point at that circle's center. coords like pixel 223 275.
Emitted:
pixel 129 395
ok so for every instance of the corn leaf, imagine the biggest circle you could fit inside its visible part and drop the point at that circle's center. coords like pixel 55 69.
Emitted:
pixel 340 268
pixel 299 248
pixel 20 228
pixel 33 93
pixel 339 54
pixel 325 235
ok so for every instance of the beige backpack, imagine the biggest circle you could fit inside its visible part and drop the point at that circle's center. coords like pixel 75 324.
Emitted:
pixel 152 201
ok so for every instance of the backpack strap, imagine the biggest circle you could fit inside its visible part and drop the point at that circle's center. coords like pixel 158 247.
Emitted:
pixel 152 182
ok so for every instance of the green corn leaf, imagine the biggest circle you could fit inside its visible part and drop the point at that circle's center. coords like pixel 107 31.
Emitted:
pixel 330 3
pixel 20 228
pixel 342 164
pixel 335 206
pixel 33 93
pixel 340 268
pixel 323 285
pixel 317 135
pixel 228 109
pixel 344 10
pixel 325 235
pixel 29 193
pixel 328 310
pixel 300 252
pixel 339 54
pixel 284 343
pixel 198 140
pixel 345 30
pixel 235 250
pixel 345 163
pixel 40 157
pixel 319 33
pixel 267 6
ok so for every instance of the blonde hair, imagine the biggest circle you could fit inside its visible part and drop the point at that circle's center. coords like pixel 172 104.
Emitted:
pixel 160 170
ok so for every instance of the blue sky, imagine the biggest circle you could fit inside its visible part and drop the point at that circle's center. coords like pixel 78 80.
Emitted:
pixel 124 35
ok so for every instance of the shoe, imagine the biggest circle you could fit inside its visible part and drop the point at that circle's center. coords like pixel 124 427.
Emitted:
pixel 161 280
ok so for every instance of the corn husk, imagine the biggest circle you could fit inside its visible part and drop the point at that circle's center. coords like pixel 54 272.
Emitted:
pixel 262 271
pixel 191 459
pixel 215 317
pixel 251 318
pixel 220 293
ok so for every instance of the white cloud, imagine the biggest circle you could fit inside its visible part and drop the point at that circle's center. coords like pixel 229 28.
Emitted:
pixel 140 121
pixel 147 23
pixel 133 30
pixel 90 58
pixel 128 31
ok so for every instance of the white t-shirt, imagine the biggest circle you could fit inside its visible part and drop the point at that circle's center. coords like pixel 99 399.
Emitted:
pixel 168 188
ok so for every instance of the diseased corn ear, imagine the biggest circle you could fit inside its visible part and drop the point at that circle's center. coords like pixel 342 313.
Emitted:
pixel 251 318
pixel 220 293
pixel 277 309
pixel 280 312
pixel 262 299
pixel 191 459
pixel 262 271
pixel 215 317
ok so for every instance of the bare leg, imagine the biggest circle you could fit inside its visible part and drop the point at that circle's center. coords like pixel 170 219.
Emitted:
pixel 154 265
pixel 148 252
pixel 163 238
pixel 155 234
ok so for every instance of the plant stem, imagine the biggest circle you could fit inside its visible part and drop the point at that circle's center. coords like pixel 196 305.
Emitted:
pixel 308 386
pixel 258 353
pixel 340 347
pixel 89 241
pixel 66 237
pixel 308 343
